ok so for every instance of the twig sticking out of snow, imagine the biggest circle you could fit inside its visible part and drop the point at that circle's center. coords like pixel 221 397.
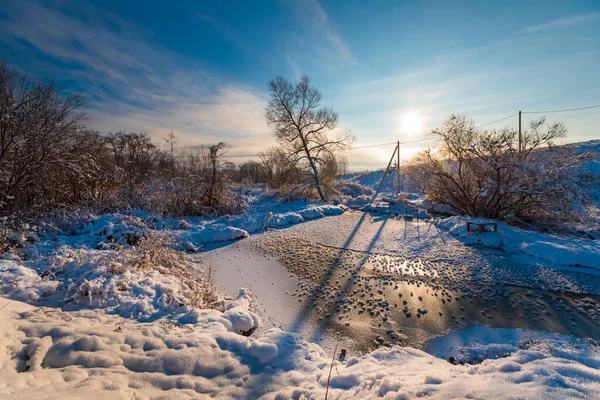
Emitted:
pixel 331 369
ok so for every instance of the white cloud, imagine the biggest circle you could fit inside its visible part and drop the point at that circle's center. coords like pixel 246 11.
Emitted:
pixel 294 67
pixel 233 115
pixel 321 21
pixel 341 47
pixel 561 22
pixel 222 28
pixel 133 84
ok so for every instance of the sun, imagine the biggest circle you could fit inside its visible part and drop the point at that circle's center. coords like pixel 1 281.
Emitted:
pixel 411 123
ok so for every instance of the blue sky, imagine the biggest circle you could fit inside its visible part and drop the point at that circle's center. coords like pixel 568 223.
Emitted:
pixel 390 68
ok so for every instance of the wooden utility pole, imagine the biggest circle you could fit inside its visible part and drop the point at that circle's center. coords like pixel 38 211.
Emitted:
pixel 520 134
pixel 398 162
pixel 387 169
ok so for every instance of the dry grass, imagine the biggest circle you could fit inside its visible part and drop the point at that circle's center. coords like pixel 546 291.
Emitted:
pixel 155 252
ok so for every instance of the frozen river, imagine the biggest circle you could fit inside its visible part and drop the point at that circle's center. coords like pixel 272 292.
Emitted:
pixel 367 280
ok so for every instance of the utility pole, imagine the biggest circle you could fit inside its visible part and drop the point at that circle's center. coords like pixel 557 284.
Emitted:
pixel 387 169
pixel 520 134
pixel 398 162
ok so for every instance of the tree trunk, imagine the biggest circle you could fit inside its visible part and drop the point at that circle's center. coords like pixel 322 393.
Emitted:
pixel 315 172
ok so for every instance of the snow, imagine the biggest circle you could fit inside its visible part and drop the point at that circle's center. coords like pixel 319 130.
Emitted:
pixel 557 250
pixel 91 354
pixel 85 314
pixel 125 228
pixel 91 351
pixel 478 343
pixel 23 283
pixel 229 228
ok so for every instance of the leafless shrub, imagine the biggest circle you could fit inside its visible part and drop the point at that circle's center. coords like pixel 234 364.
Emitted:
pixel 334 164
pixel 483 173
pixel 414 177
pixel 154 251
pixel 10 234
pixel 277 170
pixel 207 293
pixel 47 155
pixel 250 172
pixel 193 183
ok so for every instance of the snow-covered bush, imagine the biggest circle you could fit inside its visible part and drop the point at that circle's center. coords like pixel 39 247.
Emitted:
pixel 354 189
pixel 146 280
pixel 12 233
pixel 353 194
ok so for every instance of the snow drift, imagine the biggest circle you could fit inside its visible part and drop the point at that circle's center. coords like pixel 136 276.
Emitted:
pixel 557 250
pixel 50 353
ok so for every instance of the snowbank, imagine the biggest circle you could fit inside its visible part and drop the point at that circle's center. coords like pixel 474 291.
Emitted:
pixel 115 282
pixel 127 228
pixel 557 250
pixel 478 343
pixel 240 226
pixel 49 353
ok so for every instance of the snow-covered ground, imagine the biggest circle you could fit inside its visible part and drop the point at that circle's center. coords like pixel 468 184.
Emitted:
pixel 95 328
pixel 49 353
pixel 87 311
pixel 556 250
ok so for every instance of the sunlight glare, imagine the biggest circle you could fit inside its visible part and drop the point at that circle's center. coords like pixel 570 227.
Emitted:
pixel 411 123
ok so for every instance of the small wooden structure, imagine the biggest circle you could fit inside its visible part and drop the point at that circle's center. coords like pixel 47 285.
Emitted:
pixel 482 227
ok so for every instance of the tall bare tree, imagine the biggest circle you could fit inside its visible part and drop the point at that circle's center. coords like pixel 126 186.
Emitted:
pixel 304 128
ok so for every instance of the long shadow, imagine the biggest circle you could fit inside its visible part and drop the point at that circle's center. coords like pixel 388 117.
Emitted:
pixel 312 300
pixel 301 318
pixel 438 231
pixel 287 346
pixel 341 292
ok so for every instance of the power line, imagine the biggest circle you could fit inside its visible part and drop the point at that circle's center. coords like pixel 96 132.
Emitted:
pixel 350 148
pixel 241 156
pixel 417 140
pixel 426 139
pixel 540 112
pixel 557 111
pixel 390 143
pixel 499 120
pixel 372 145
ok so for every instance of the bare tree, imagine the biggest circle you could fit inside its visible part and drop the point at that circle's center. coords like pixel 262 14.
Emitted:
pixel 482 173
pixel 133 152
pixel 302 127
pixel 215 184
pixel 276 168
pixel 171 142
pixel 42 134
